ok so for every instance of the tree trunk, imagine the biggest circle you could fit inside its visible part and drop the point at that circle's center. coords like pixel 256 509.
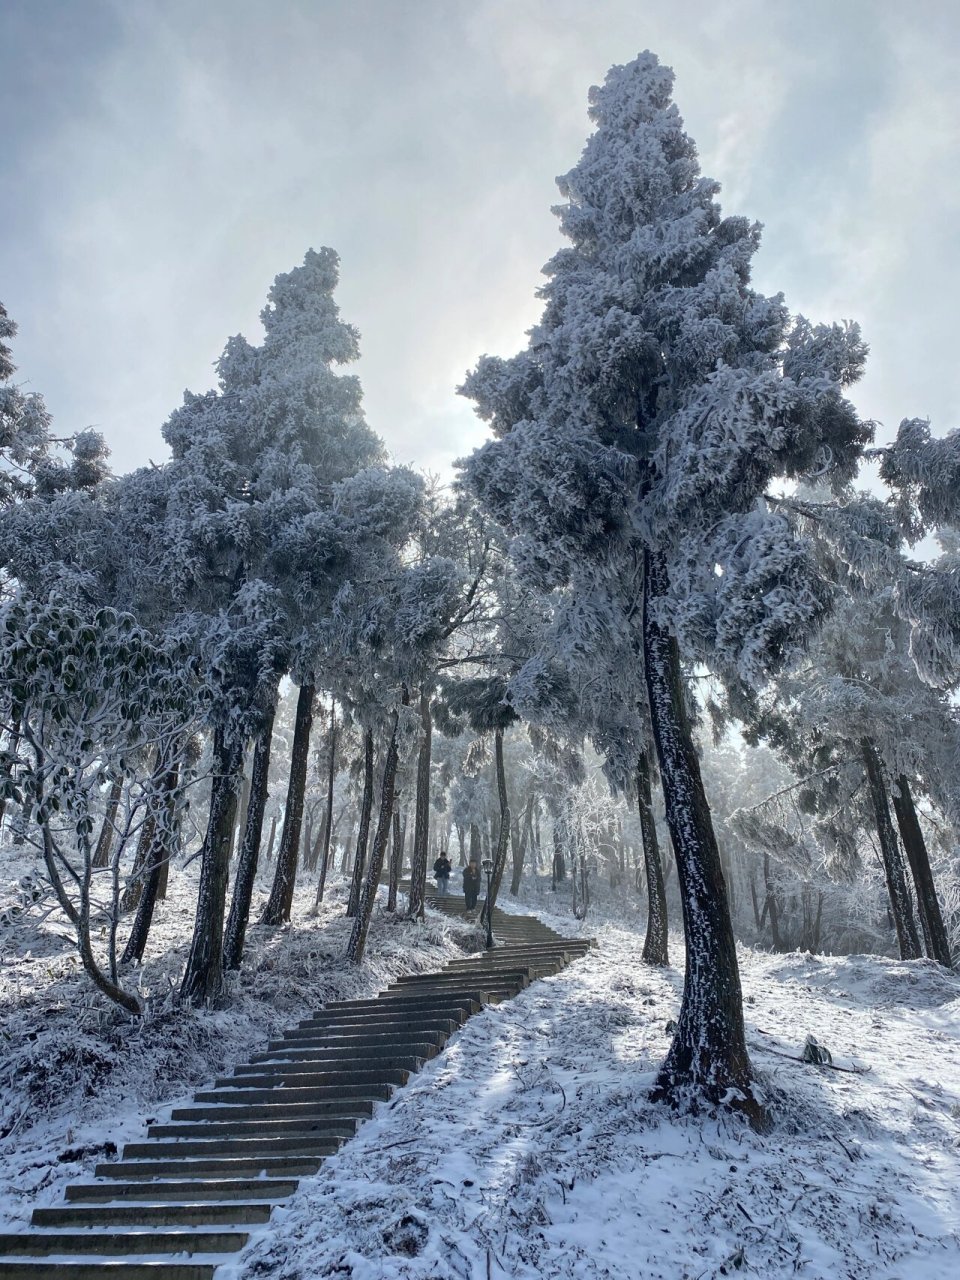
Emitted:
pixel 901 907
pixel 328 816
pixel 363 835
pixel 931 918
pixel 242 812
pixel 520 848
pixel 708 1056
pixel 272 840
pixel 771 906
pixel 203 978
pixel 396 862
pixel 361 923
pixel 655 943
pixel 134 889
pixel 108 830
pixel 503 836
pixel 421 824
pixel 250 845
pixel 161 851
pixel 280 901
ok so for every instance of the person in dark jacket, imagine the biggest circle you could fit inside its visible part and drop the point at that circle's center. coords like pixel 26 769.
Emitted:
pixel 441 873
pixel 471 884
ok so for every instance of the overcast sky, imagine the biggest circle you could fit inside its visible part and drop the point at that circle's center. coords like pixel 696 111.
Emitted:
pixel 162 160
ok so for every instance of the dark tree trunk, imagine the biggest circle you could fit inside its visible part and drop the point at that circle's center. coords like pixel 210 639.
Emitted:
pixel 280 901
pixel 361 923
pixel 520 847
pixel 328 815
pixel 708 1057
pixel 421 822
pixel 901 907
pixel 503 836
pixel 108 830
pixel 250 845
pixel 141 861
pixel 242 812
pixel 757 919
pixel 655 943
pixel 159 857
pixel 203 978
pixel 771 906
pixel 363 835
pixel 476 851
pixel 396 862
pixel 273 838
pixel 931 917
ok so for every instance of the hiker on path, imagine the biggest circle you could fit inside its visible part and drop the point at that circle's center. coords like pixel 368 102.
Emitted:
pixel 471 884
pixel 441 873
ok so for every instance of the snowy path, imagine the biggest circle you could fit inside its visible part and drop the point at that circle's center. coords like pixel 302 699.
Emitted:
pixel 529 1148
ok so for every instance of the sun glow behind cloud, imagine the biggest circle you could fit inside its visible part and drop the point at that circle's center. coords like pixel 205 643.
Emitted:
pixel 202 149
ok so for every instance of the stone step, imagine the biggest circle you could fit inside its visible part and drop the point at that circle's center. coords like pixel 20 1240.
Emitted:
pixel 106 1269
pixel 180 1149
pixel 152 1215
pixel 508 972
pixel 402 997
pixel 243 1145
pixel 534 965
pixel 102 1244
pixel 283 1093
pixel 352 1108
pixel 401 1034
pixel 268 1189
pixel 380 1019
pixel 471 1001
pixel 295 1076
pixel 294 1166
pixel 338 1127
pixel 402 1047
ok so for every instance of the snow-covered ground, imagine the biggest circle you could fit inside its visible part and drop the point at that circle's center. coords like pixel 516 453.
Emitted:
pixel 78 1078
pixel 528 1148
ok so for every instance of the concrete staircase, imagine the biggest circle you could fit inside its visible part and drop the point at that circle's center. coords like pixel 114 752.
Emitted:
pixel 174 1205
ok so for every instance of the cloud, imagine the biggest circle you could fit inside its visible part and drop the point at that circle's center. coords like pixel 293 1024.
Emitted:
pixel 197 150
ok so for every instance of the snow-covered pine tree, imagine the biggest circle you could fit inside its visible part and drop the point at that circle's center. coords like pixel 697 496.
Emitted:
pixel 656 400
pixel 255 464
pixel 31 459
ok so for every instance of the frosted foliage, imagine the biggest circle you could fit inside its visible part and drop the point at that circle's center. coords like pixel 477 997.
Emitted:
pixel 660 395
pixel 925 472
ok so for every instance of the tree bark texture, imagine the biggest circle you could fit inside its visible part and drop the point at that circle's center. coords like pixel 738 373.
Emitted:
pixel 363 834
pixel 280 901
pixel 901 908
pixel 361 922
pixel 520 847
pixel 203 978
pixel 421 822
pixel 931 918
pixel 708 1057
pixel 158 859
pixel 273 838
pixel 655 943
pixel 251 835
pixel 108 831
pixel 771 905
pixel 503 836
pixel 396 861
pixel 328 815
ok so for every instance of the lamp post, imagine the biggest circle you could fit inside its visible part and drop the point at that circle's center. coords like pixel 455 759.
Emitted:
pixel 487 867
